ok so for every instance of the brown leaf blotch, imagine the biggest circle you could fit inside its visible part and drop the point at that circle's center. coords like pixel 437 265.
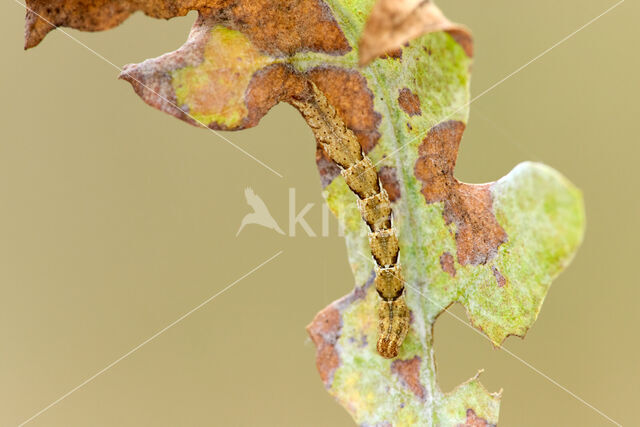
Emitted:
pixel 268 87
pixel 409 102
pixel 90 15
pixel 475 421
pixel 348 92
pixel 327 168
pixel 388 177
pixel 463 38
pixel 279 29
pixel 287 26
pixel 324 330
pixel 469 207
pixel 393 54
pixel 409 373
pixel 500 279
pixel 448 264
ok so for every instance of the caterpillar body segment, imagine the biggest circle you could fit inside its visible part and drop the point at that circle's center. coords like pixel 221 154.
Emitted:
pixel 389 282
pixel 393 325
pixel 361 176
pixel 338 141
pixel 376 211
pixel 384 247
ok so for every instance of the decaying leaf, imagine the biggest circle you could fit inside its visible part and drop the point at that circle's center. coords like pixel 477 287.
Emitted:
pixel 494 248
pixel 392 23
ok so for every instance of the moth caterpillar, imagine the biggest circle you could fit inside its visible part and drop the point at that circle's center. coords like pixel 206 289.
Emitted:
pixel 343 148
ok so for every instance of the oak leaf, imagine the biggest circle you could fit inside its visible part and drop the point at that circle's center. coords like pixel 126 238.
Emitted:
pixel 494 248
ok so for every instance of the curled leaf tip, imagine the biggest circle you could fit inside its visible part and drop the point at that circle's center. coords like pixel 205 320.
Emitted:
pixel 392 23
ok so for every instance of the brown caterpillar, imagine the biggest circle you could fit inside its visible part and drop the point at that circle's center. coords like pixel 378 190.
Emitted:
pixel 343 148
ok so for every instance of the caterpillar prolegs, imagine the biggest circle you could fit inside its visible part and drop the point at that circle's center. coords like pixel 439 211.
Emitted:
pixel 343 148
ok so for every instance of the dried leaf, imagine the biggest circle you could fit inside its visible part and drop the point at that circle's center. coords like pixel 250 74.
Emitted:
pixel 495 248
pixel 393 23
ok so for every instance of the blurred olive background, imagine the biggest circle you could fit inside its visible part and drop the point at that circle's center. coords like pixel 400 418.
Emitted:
pixel 116 219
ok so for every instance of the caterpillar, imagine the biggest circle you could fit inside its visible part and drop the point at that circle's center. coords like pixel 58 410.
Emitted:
pixel 342 146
